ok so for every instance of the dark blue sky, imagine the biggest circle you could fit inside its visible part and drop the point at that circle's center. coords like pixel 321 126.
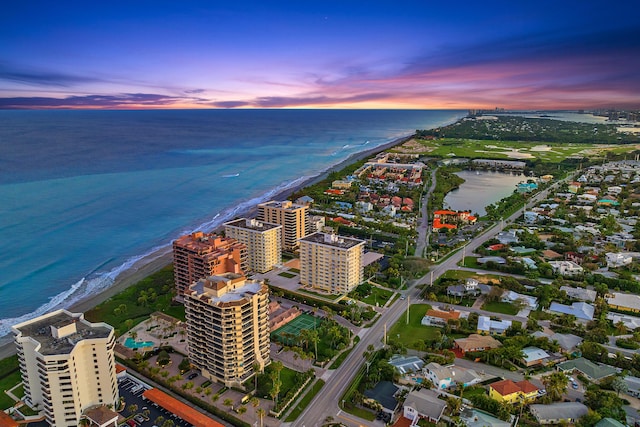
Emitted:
pixel 346 54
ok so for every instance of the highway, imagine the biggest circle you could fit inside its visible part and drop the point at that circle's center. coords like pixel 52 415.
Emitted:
pixel 326 403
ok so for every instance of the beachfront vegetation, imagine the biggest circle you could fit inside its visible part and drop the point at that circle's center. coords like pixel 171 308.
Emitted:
pixel 9 378
pixel 136 303
pixel 513 128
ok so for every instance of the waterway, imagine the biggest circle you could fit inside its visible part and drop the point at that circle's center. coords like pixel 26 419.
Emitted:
pixel 480 189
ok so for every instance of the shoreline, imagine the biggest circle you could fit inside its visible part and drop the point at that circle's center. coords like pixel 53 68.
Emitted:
pixel 158 259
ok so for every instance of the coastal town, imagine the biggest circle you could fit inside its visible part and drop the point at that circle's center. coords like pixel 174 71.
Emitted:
pixel 364 299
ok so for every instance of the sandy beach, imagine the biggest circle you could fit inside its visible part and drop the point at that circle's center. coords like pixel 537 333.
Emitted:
pixel 157 260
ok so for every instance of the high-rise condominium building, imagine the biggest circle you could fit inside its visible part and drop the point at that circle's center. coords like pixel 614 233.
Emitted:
pixel 67 365
pixel 330 262
pixel 263 241
pixel 199 255
pixel 293 219
pixel 228 327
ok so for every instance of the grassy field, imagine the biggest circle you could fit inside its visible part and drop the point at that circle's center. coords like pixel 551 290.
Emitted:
pixel 378 295
pixel 311 393
pixel 136 303
pixel 9 377
pixel 315 294
pixel 547 152
pixel 500 307
pixel 287 275
pixel 414 331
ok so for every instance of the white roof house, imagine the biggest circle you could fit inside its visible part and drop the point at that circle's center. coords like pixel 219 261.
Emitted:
pixel 615 260
pixel 534 355
pixel 624 301
pixel 510 296
pixel 492 327
pixel 423 404
pixel 631 322
pixel 580 293
pixel 566 268
pixel 581 310
pixel 558 412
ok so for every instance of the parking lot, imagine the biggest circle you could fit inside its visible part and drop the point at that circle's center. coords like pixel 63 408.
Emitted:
pixel 147 413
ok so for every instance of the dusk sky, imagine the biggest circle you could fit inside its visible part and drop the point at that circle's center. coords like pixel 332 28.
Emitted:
pixel 325 54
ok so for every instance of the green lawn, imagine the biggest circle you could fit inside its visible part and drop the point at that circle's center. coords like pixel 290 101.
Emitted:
pixel 500 307
pixel 414 331
pixel 311 393
pixel 287 275
pixel 471 262
pixel 553 153
pixel 127 305
pixel 315 294
pixel 379 295
pixel 338 361
pixel 9 377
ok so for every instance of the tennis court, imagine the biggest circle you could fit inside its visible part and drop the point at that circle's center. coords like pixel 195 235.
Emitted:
pixel 285 333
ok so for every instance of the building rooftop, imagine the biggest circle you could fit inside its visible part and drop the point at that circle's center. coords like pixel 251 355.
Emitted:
pixel 332 240
pixel 531 354
pixel 476 418
pixel 559 411
pixel 581 310
pixel 406 364
pixel 475 341
pixel 624 300
pixel 101 415
pixel 426 402
pixel 383 393
pixel 588 368
pixel 580 293
pixel 225 288
pixel 286 204
pixel 178 408
pixel 59 332
pixel 252 224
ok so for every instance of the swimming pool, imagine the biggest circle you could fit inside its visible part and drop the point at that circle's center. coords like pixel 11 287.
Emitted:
pixel 131 343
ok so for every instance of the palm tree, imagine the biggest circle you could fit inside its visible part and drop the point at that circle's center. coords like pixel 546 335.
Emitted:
pixel 256 368
pixel 242 409
pixel 228 402
pixel 255 402
pixel 159 420
pixel 132 408
pixel 261 413
pixel 555 384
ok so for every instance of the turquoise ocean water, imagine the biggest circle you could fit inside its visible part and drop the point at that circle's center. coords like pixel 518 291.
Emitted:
pixel 86 194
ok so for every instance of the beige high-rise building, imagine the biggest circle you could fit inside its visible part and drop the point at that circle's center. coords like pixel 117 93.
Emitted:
pixel 67 365
pixel 331 263
pixel 199 255
pixel 293 218
pixel 228 327
pixel 262 239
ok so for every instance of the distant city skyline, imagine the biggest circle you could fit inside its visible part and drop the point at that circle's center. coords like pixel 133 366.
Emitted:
pixel 330 54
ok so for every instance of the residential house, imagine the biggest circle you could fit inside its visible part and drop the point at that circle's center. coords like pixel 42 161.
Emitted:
pixel 609 422
pixel 444 377
pixel 574 187
pixel 305 201
pixel 528 301
pixel 384 394
pixel 534 356
pixel 508 237
pixel 624 302
pixel 406 365
pixel 581 310
pixel 488 326
pixel 471 287
pixel 567 342
pixel 475 342
pixel 630 322
pixel 566 268
pixel 364 206
pixel 425 404
pixel 594 372
pixel 475 418
pixel 439 317
pixel 633 385
pixel 494 259
pixel 581 294
pixel 616 260
pixel 556 413
pixel 512 392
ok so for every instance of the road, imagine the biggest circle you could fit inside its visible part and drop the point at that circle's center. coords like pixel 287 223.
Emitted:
pixel 327 401
pixel 423 227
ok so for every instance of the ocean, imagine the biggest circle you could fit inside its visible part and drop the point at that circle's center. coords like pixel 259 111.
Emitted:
pixel 86 194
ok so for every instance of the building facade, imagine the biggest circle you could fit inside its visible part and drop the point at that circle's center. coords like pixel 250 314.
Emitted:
pixel 331 263
pixel 293 218
pixel 67 365
pixel 262 239
pixel 200 255
pixel 228 327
